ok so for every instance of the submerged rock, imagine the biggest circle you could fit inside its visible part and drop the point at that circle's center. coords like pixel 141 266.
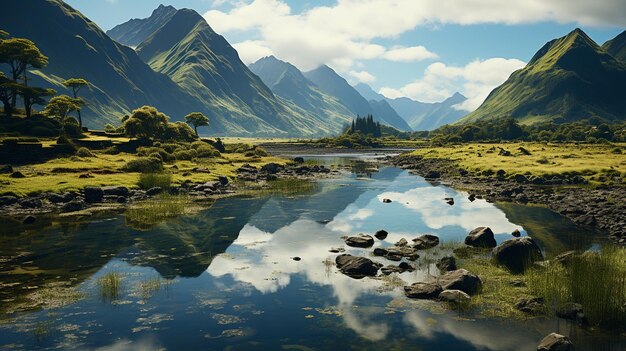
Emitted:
pixel 481 237
pixel 396 253
pixel 517 254
pixel 461 279
pixel 360 240
pixel 423 290
pixel 357 267
pixel 555 342
pixel 401 268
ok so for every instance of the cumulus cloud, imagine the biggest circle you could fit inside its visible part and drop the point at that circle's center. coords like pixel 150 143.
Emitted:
pixel 341 34
pixel 362 76
pixel 409 54
pixel 474 80
pixel 252 50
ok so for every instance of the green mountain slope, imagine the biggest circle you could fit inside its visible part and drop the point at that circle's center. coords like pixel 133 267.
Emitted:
pixel 617 47
pixel 135 31
pixel 204 64
pixel 333 84
pixel 570 78
pixel 286 81
pixel 120 80
pixel 419 115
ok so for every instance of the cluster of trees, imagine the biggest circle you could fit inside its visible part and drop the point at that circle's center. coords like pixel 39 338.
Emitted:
pixel 592 130
pixel 148 123
pixel 365 126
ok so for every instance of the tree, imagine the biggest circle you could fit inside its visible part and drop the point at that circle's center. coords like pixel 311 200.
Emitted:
pixel 20 54
pixel 33 96
pixel 7 90
pixel 61 106
pixel 146 122
pixel 76 84
pixel 197 119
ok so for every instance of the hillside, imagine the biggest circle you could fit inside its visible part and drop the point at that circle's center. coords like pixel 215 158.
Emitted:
pixel 419 115
pixel 286 81
pixel 617 47
pixel 570 78
pixel 120 80
pixel 333 84
pixel 135 31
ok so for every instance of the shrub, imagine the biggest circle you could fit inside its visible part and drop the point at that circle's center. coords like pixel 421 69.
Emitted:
pixel 172 147
pixel 84 152
pixel 164 155
pixel 259 151
pixel 43 132
pixel 151 180
pixel 144 165
pixel 186 155
pixel 207 151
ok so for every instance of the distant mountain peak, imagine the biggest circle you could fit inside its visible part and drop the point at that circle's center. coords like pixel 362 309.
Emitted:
pixel 617 47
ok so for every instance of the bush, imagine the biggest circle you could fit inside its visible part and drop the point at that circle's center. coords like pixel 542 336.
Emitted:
pixel 259 151
pixel 172 147
pixel 43 132
pixel 84 152
pixel 207 151
pixel 144 165
pixel 111 150
pixel 185 155
pixel 164 155
pixel 151 180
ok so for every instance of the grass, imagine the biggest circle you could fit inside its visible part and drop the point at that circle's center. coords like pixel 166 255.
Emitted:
pixel 596 280
pixel 145 214
pixel 151 180
pixel 590 161
pixel 149 287
pixel 110 286
pixel 287 187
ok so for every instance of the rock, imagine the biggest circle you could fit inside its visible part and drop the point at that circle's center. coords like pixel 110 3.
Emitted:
pixel 426 241
pixel 572 311
pixel 520 178
pixel 402 242
pixel 93 194
pixel 357 267
pixel 298 160
pixel 30 202
pixel 337 250
pixel 223 180
pixel 6 169
pixel 449 201
pixel 154 191
pixel 360 240
pixel 471 197
pixel 447 264
pixel 386 201
pixel 381 234
pixel 396 253
pixel 121 199
pixel 555 342
pixel 186 174
pixel 423 290
pixel 17 174
pixel 116 190
pixel 73 206
pixel 565 258
pixel 532 305
pixel 500 173
pixel 271 168
pixel 56 198
pixel 481 237
pixel 523 151
pixel 517 254
pixel 7 200
pixel 433 175
pixel 516 233
pixel 85 176
pixel 296 258
pixel 29 219
pixel 454 296
pixel 461 279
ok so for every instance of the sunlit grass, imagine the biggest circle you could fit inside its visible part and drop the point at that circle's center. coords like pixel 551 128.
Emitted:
pixel 151 180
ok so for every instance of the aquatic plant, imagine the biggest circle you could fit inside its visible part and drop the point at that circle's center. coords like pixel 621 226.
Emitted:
pixel 150 286
pixel 147 213
pixel 110 286
pixel 596 280
pixel 287 187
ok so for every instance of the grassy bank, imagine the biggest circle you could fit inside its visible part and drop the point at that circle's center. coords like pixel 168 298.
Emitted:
pixel 595 162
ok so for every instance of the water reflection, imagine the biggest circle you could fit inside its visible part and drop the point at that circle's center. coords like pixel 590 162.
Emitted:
pixel 235 284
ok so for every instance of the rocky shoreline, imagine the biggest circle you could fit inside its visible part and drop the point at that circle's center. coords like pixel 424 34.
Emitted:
pixel 600 208
pixel 93 199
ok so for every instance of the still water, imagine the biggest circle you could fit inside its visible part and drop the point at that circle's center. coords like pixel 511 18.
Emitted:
pixel 224 278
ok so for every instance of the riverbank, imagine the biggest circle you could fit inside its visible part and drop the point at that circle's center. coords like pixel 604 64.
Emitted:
pixel 585 183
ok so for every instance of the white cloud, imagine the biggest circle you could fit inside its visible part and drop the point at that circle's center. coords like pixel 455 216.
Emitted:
pixel 409 54
pixel 342 33
pixel 474 80
pixel 252 50
pixel 362 76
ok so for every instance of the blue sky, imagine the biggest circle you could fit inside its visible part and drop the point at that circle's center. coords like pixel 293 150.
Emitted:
pixel 424 49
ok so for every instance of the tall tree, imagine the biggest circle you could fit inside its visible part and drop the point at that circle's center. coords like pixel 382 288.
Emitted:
pixel 61 106
pixel 197 119
pixel 20 54
pixel 76 84
pixel 7 90
pixel 33 96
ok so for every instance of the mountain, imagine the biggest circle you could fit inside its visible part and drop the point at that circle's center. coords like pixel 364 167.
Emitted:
pixel 333 84
pixel 419 115
pixel 286 81
pixel 135 31
pixel 388 115
pixel 570 78
pixel 207 67
pixel 120 80
pixel 617 47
